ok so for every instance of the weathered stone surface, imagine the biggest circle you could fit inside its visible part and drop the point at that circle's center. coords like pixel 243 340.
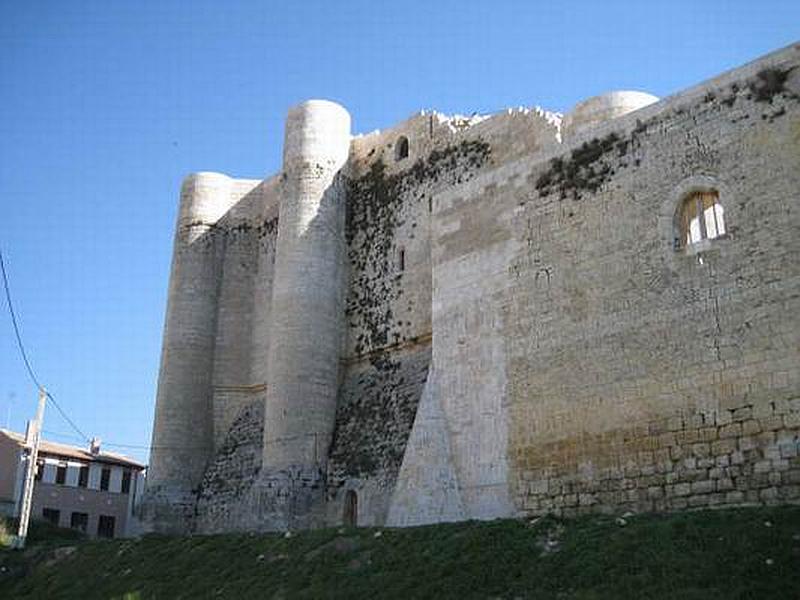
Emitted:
pixel 501 322
pixel 377 405
pixel 230 477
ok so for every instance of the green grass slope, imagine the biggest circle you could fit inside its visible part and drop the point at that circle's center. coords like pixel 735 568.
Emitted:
pixel 724 554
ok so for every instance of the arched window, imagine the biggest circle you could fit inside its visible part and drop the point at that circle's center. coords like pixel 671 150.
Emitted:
pixel 401 148
pixel 350 509
pixel 701 218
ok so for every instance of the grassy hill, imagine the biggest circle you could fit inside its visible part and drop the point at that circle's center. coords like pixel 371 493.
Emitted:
pixel 725 554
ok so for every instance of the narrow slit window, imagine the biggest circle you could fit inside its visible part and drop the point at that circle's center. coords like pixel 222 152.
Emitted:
pixel 350 516
pixel 401 260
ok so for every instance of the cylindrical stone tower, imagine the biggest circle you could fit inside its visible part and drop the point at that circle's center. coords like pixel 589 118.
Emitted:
pixel 598 109
pixel 307 301
pixel 182 433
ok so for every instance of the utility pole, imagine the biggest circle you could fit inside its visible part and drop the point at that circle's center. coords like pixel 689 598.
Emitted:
pixel 32 438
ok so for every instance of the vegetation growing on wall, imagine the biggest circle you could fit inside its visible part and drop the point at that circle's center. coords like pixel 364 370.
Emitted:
pixel 375 204
pixel 584 171
pixel 592 164
pixel 768 83
pixel 378 400
pixel 767 86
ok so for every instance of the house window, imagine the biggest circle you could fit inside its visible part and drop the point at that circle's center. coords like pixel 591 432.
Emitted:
pixel 701 218
pixel 105 477
pixel 126 482
pixel 105 526
pixel 51 515
pixel 83 476
pixel 79 521
pixel 401 148
pixel 61 474
pixel 350 509
pixel 39 469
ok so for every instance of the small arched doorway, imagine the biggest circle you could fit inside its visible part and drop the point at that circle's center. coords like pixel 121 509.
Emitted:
pixel 401 148
pixel 350 509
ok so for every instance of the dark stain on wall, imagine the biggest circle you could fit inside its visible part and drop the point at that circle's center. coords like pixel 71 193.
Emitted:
pixel 232 231
pixel 375 204
pixel 377 405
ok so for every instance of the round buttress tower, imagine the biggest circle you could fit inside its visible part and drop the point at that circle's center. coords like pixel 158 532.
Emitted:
pixel 599 109
pixel 308 291
pixel 182 433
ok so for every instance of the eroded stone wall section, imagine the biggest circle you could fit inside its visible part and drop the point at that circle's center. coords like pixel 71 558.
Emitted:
pixel 228 481
pixel 377 404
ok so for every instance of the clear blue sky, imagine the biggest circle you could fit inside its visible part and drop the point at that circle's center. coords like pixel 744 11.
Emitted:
pixel 106 106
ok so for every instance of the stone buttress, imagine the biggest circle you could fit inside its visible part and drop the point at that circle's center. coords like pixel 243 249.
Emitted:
pixel 307 318
pixel 182 440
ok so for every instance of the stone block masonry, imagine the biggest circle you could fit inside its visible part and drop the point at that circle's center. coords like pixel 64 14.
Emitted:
pixel 491 316
pixel 687 461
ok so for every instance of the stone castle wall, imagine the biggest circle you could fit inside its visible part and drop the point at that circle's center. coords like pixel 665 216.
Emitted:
pixel 629 373
pixel 520 333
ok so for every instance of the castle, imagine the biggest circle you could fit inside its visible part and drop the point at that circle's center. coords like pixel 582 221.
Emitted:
pixel 471 318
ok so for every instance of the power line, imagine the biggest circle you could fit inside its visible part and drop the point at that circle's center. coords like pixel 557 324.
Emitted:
pixel 20 345
pixel 24 354
pixel 280 440
pixel 66 418
pixel 145 447
pixel 60 434
pixel 60 410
